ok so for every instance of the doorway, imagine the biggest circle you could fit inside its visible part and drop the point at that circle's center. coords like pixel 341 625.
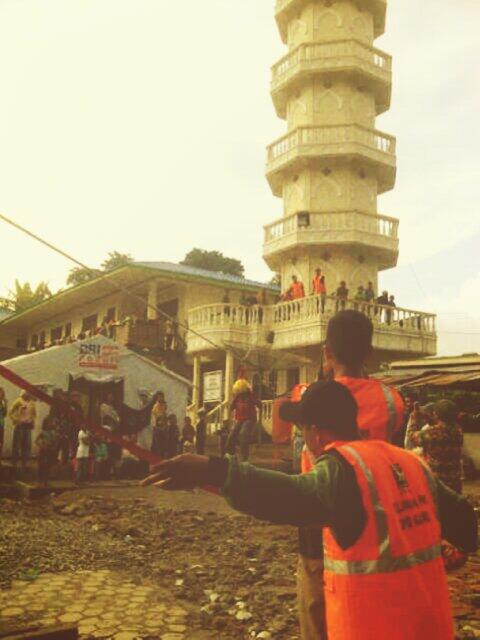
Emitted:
pixel 93 393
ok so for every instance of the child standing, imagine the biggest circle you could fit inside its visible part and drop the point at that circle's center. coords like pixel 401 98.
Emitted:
pixel 83 455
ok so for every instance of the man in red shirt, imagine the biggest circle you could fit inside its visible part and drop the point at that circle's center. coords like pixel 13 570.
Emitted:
pixel 244 409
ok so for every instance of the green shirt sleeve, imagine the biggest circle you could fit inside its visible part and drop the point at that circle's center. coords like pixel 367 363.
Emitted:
pixel 299 500
pixel 457 518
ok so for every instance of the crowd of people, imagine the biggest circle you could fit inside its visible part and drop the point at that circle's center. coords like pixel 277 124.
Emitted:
pixel 108 328
pixel 364 294
pixel 66 443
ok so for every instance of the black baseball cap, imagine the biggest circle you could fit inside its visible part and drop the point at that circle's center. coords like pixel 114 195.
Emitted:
pixel 324 404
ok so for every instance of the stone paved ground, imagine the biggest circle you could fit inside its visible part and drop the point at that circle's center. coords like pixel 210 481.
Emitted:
pixel 102 603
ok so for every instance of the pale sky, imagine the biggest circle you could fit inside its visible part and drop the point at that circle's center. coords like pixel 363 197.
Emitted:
pixel 141 126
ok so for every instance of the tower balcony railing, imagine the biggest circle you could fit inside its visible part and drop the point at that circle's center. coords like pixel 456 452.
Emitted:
pixel 370 223
pixel 259 325
pixel 386 317
pixel 331 135
pixel 226 315
pixel 330 54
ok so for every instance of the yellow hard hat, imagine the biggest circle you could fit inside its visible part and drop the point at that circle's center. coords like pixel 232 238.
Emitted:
pixel 241 386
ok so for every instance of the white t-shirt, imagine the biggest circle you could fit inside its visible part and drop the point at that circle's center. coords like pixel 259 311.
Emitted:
pixel 107 411
pixel 83 450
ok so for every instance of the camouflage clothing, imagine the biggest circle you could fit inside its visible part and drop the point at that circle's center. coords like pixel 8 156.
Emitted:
pixel 442 449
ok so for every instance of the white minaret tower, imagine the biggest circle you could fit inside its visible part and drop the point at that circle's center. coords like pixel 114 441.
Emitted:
pixel 333 163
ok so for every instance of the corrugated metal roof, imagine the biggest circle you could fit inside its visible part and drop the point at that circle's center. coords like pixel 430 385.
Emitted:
pixel 459 380
pixel 185 270
pixel 437 362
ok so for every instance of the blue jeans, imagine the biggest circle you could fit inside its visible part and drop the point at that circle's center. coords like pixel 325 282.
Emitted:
pixel 240 435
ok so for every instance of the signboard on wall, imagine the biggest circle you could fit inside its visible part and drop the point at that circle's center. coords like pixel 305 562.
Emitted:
pixel 99 356
pixel 212 386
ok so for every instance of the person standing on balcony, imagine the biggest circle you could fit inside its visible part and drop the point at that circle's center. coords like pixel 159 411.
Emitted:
pixel 226 301
pixel 261 301
pixel 383 302
pixel 390 303
pixel 244 409
pixel 342 296
pixel 359 298
pixel 170 335
pixel 316 282
pixel 369 296
pixel 319 288
pixel 297 289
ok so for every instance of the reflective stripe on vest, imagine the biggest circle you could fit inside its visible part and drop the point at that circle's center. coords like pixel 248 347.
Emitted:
pixel 392 411
pixel 386 563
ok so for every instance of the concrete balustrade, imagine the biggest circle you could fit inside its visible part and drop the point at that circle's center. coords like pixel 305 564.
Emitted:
pixel 318 56
pixel 254 324
pixel 335 221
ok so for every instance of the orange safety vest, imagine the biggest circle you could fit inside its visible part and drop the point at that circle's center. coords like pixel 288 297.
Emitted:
pixel 318 285
pixel 381 409
pixel 391 583
pixel 381 412
pixel 297 290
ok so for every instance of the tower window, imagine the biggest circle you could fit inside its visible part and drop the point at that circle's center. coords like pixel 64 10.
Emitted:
pixel 303 219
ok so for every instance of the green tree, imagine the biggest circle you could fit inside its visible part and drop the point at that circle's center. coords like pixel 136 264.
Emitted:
pixel 276 281
pixel 214 261
pixel 80 275
pixel 116 259
pixel 24 296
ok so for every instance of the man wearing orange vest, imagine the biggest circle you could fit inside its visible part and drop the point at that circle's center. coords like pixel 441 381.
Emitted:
pixel 297 290
pixel 380 416
pixel 383 512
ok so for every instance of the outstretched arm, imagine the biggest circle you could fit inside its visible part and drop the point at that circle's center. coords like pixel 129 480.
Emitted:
pixel 309 499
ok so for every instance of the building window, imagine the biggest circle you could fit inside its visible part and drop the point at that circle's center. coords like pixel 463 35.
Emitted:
pixel 42 339
pixel 111 314
pixel 21 343
pixel 90 323
pixel 34 341
pixel 56 334
pixel 68 330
